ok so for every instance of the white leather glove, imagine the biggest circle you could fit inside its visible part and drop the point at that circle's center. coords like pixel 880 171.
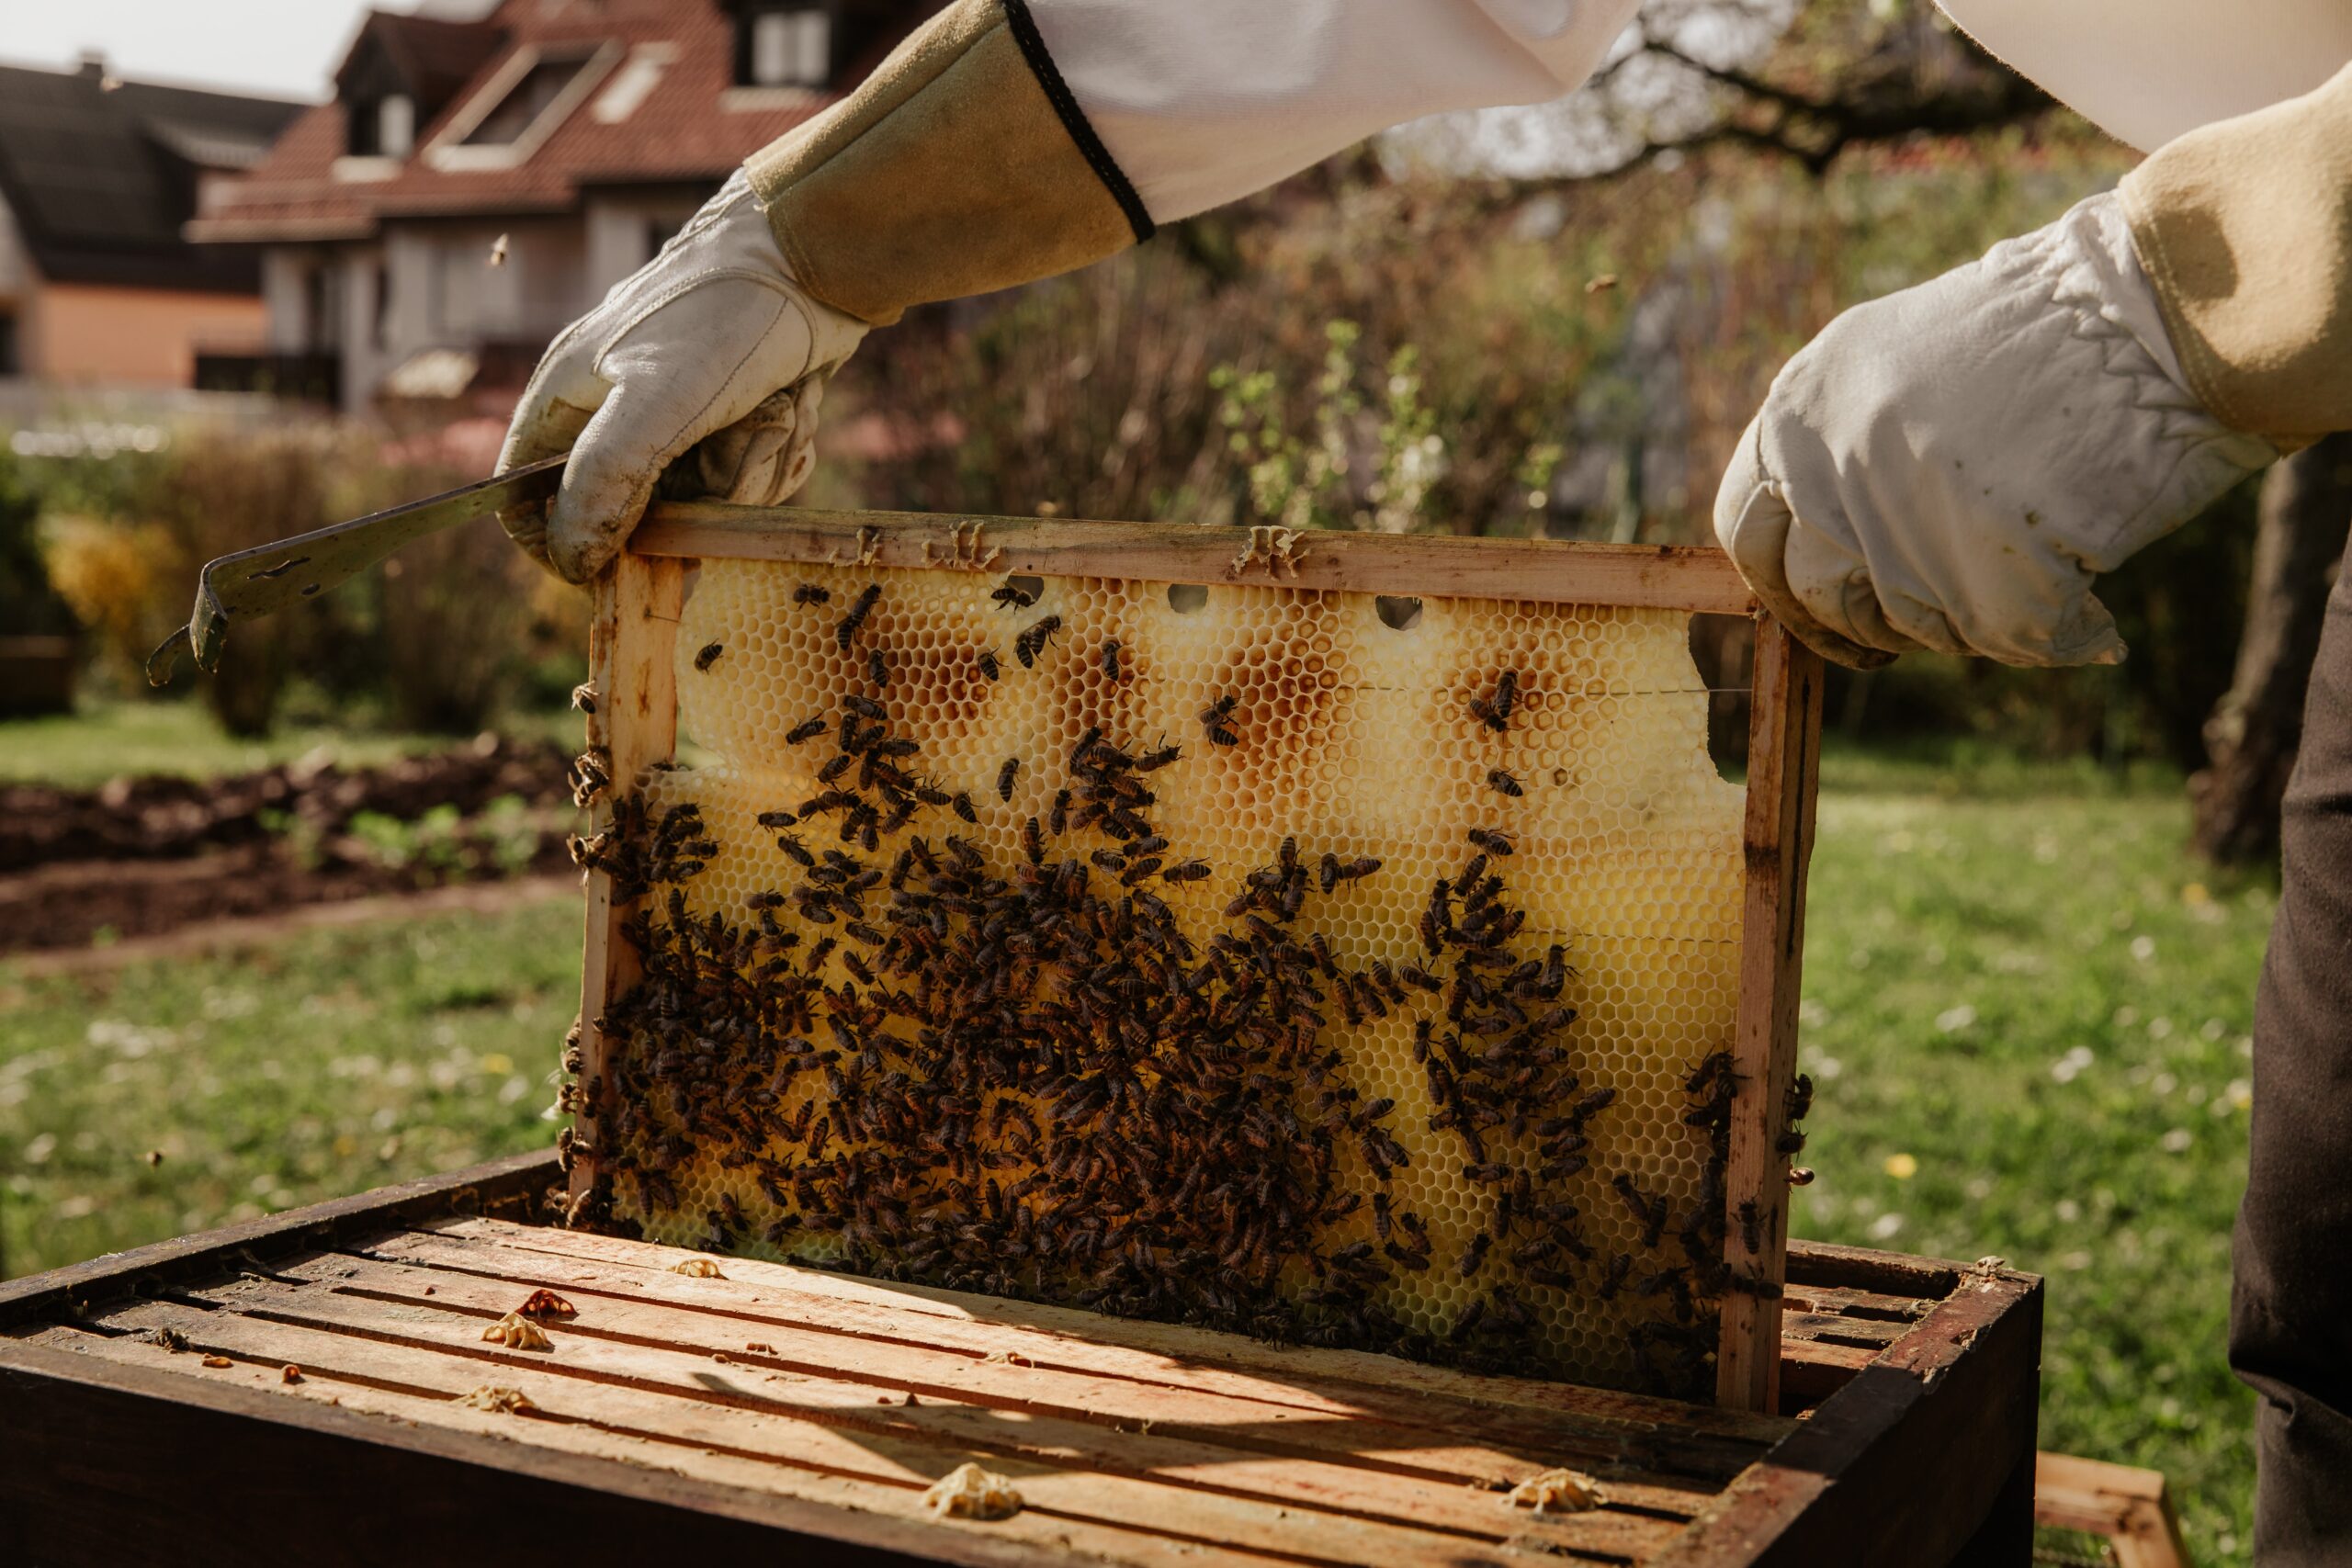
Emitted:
pixel 709 331
pixel 1950 467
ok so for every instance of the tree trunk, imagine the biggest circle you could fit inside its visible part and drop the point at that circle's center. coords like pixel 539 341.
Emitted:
pixel 2256 727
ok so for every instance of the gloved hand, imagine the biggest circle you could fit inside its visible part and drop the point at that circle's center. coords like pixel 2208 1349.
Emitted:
pixel 1950 467
pixel 712 329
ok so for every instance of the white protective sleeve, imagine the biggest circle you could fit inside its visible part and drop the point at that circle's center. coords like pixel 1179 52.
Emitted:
pixel 2145 71
pixel 1203 101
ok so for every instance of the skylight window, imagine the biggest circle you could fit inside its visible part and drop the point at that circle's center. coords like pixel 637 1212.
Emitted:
pixel 530 98
pixel 527 101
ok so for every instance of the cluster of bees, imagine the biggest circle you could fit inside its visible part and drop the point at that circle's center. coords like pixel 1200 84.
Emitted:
pixel 1033 1080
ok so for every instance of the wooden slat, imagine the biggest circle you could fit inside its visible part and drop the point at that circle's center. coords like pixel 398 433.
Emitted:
pixel 1783 760
pixel 1666 577
pixel 112 1465
pixel 847 1478
pixel 632 637
pixel 1001 1409
pixel 1891 1274
pixel 1844 1303
pixel 1210 1366
pixel 1349 1375
pixel 500 1185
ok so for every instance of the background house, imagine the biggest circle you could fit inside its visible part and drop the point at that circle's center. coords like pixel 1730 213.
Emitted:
pixel 475 184
pixel 98 285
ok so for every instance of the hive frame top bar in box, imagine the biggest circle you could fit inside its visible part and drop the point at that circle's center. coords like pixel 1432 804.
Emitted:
pixel 637 664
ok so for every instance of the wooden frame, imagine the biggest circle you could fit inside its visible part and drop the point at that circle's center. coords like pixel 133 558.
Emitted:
pixel 115 1451
pixel 633 638
pixel 2128 1507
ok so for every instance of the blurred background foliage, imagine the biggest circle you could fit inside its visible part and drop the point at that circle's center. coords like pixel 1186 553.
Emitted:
pixel 449 637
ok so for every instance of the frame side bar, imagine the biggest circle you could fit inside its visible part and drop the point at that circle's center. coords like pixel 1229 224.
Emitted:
pixel 633 637
pixel 1446 566
pixel 1783 776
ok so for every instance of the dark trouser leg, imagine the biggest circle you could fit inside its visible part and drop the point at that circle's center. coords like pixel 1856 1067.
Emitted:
pixel 2290 1318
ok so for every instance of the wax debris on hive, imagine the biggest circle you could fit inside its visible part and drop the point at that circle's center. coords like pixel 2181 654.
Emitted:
pixel 967 1491
pixel 1350 738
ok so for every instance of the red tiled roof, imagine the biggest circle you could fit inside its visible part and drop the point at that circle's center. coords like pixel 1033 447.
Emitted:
pixel 680 131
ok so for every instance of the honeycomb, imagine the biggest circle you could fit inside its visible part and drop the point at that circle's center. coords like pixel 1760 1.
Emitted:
pixel 1182 1099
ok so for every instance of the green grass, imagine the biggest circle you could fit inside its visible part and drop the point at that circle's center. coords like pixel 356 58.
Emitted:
pixel 328 1063
pixel 111 737
pixel 2018 990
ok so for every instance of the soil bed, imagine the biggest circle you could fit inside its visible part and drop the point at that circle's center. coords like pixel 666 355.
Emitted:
pixel 141 857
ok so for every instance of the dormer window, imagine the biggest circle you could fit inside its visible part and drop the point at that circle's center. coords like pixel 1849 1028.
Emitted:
pixel 395 126
pixel 383 128
pixel 785 45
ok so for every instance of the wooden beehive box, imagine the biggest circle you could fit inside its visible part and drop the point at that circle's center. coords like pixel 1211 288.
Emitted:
pixel 1464 938
pixel 331 1386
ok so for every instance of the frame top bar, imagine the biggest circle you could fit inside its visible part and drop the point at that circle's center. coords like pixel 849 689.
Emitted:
pixel 1446 566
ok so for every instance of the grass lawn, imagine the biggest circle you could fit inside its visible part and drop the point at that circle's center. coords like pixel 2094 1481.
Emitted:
pixel 2027 1011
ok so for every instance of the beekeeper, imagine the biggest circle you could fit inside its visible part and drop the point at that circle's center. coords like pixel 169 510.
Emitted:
pixel 1949 468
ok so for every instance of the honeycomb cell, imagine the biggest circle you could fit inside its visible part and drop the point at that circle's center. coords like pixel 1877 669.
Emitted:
pixel 849 1106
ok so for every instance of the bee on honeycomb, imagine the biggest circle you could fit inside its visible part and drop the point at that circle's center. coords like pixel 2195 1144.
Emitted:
pixel 1308 977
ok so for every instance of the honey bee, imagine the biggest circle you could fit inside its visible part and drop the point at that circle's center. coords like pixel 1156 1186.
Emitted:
pixel 1503 781
pixel 832 772
pixel 790 844
pixel 806 729
pixel 584 698
pixel 963 804
pixel 864 707
pixel 1751 1226
pixel 847 630
pixel 1213 719
pixel 1060 820
pixel 877 666
pixel 709 655
pixel 1004 777
pixel 1111 660
pixel 1800 1100
pixel 1320 947
pixel 810 594
pixel 1186 871
pixel 1471 1257
pixel 1033 842
pixel 1492 842
pixel 1011 598
pixel 1032 642
pixel 989 665
pixel 1494 712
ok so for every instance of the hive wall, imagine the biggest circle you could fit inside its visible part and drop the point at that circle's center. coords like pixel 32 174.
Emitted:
pixel 1586 1144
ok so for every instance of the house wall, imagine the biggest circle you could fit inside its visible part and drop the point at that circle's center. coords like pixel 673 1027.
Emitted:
pixel 430 284
pixel 625 231
pixel 15 284
pixel 137 337
pixel 15 267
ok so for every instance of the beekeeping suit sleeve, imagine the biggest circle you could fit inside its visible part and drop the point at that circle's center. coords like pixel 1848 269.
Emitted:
pixel 1009 139
pixel 1954 466
pixel 2242 216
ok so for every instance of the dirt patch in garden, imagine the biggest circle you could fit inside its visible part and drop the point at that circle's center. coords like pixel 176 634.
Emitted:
pixel 140 857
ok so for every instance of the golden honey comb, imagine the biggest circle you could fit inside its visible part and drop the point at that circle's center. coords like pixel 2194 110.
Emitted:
pixel 1352 738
